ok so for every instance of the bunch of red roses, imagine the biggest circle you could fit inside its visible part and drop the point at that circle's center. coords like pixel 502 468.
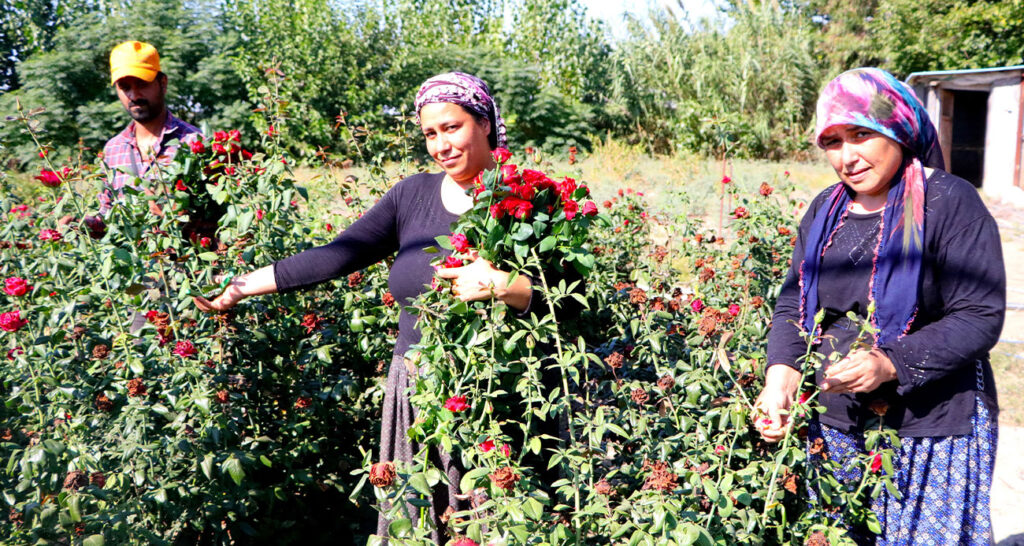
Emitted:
pixel 519 212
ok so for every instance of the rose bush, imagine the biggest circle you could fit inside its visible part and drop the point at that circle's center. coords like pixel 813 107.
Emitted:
pixel 130 417
pixel 237 427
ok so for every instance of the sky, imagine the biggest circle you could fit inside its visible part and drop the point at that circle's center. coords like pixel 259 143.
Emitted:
pixel 612 10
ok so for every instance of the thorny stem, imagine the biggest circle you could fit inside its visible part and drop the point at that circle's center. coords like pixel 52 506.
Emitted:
pixel 789 430
pixel 565 385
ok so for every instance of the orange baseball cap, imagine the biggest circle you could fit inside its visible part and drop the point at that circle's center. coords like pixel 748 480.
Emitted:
pixel 137 59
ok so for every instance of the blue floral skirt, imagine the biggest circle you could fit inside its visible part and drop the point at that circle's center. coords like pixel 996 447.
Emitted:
pixel 943 481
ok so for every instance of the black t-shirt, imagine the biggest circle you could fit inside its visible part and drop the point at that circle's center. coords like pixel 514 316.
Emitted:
pixel 961 305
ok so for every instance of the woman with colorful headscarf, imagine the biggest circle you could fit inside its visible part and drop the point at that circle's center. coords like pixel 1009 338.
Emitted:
pixel 915 244
pixel 461 125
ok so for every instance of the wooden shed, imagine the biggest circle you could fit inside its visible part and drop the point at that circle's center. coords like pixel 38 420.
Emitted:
pixel 979 114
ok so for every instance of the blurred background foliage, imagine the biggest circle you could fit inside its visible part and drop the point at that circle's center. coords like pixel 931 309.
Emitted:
pixel 742 84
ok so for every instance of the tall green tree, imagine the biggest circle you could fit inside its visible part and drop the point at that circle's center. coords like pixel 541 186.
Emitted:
pixel 948 34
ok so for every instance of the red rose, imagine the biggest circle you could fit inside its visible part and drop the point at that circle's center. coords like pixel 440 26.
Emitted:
pixel 271 132
pixel 537 179
pixel 719 450
pixel 235 135
pixel 387 299
pixel 509 175
pixel 734 309
pixel 466 542
pixel 259 214
pixel 506 451
pixel 11 321
pixel 456 404
pixel 220 136
pixel 765 189
pixel 329 227
pixel 571 208
pixel 589 209
pixel 197 147
pixel 97 227
pixel 11 353
pixel 501 155
pixel 523 191
pixel 180 186
pixel 16 286
pixel 726 179
pixel 486 446
pixel 50 179
pixel 876 462
pixel 184 349
pixel 566 188
pixel 219 148
pixel 303 402
pixel 697 305
pixel 740 212
pixel 459 242
pixel 452 261
pixel 519 208
pixel 607 204
pixel 49 235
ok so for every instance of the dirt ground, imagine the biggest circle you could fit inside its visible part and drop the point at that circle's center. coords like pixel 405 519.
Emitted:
pixel 1008 484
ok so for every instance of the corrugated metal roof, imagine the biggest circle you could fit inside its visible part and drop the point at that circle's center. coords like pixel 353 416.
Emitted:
pixel 962 72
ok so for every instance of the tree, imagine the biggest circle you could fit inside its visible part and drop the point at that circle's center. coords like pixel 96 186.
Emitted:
pixel 948 34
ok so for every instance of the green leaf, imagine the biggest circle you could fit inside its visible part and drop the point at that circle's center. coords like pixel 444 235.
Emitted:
pixel 94 540
pixel 207 466
pixel 533 509
pixel 547 243
pixel 444 241
pixel 523 232
pixel 209 256
pixel 419 482
pixel 400 528
pixel 74 508
pixel 233 467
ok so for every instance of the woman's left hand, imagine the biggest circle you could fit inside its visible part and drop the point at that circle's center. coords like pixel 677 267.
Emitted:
pixel 480 280
pixel 860 371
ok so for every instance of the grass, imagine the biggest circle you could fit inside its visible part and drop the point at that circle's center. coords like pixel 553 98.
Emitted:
pixel 1007 363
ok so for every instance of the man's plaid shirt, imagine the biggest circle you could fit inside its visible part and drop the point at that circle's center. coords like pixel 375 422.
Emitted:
pixel 120 150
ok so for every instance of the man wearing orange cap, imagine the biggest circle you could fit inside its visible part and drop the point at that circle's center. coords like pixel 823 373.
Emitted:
pixel 149 138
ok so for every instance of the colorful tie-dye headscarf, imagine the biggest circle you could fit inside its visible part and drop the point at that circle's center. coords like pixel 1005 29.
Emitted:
pixel 469 92
pixel 874 99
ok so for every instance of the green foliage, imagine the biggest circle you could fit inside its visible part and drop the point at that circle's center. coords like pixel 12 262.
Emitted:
pixel 948 34
pixel 708 90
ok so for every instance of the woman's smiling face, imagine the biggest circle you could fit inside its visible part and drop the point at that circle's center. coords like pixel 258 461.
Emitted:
pixel 456 140
pixel 865 160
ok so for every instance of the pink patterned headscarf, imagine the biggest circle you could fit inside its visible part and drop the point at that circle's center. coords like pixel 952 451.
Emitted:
pixel 874 99
pixel 469 92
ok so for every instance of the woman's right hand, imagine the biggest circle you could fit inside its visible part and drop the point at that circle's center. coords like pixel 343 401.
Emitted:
pixel 254 283
pixel 226 300
pixel 780 386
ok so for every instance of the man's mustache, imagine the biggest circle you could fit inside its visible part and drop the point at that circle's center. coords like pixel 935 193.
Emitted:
pixel 140 102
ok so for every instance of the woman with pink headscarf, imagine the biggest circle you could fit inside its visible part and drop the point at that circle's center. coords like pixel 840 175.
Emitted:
pixel 462 126
pixel 912 249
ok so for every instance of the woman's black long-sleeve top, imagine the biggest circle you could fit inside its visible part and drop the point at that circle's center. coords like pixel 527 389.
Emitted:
pixel 961 305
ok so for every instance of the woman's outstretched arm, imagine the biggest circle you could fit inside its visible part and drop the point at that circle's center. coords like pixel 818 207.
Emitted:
pixel 253 283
